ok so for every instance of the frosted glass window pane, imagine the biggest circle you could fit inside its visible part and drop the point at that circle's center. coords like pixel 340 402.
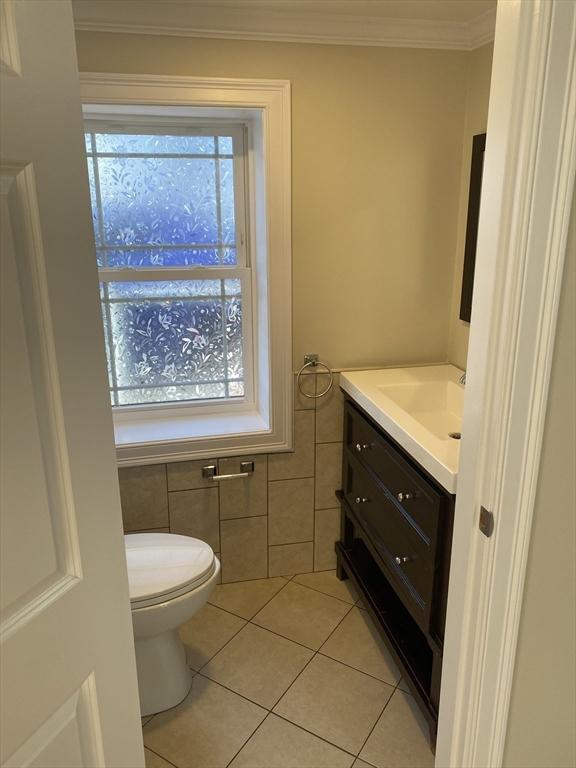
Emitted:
pixel 125 143
pixel 153 289
pixel 236 389
pixel 147 201
pixel 235 361
pixel 227 200
pixel 225 146
pixel 170 342
pixel 173 394
pixel 166 257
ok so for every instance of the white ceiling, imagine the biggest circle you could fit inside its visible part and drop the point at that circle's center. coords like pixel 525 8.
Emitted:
pixel 461 24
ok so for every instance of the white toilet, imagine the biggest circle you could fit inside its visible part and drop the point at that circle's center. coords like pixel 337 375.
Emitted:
pixel 170 579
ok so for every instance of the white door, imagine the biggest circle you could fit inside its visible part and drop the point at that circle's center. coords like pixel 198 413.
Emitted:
pixel 68 679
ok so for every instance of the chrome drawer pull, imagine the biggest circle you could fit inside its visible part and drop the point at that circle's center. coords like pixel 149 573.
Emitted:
pixel 361 499
pixel 405 496
pixel 362 447
pixel 401 560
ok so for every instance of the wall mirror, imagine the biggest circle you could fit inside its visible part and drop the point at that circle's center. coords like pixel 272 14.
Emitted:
pixel 477 164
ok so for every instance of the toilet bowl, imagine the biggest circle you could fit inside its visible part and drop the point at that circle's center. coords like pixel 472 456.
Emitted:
pixel 170 578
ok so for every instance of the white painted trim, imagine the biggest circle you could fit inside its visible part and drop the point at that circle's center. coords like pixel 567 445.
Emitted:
pixel 271 98
pixel 297 26
pixel 528 183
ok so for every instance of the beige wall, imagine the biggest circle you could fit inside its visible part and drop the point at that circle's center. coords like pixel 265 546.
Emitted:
pixel 542 725
pixel 377 153
pixel 480 68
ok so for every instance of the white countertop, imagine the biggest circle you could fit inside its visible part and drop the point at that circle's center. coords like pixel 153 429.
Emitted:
pixel 419 407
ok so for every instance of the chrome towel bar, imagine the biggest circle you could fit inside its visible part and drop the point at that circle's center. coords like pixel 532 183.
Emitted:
pixel 246 469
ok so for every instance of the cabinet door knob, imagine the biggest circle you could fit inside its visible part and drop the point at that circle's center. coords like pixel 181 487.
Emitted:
pixel 401 560
pixel 362 447
pixel 404 496
pixel 360 500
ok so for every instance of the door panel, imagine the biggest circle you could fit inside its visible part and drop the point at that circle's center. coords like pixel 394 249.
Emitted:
pixel 69 692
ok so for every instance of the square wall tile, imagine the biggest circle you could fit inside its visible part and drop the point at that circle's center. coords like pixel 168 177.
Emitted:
pixel 329 411
pixel 290 511
pixel 288 559
pixel 308 386
pixel 300 462
pixel 195 513
pixel 328 474
pixel 326 533
pixel 247 496
pixel 144 497
pixel 187 475
pixel 244 549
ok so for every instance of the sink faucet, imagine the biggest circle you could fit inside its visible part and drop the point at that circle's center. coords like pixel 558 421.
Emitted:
pixel 463 378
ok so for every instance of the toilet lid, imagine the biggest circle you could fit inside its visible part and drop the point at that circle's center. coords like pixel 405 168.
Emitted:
pixel 161 564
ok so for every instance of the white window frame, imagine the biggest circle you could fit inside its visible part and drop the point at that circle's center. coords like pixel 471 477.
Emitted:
pixel 262 422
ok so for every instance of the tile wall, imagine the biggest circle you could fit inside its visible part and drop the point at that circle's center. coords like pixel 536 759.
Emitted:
pixel 281 521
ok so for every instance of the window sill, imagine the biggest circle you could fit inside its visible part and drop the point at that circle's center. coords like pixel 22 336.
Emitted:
pixel 178 438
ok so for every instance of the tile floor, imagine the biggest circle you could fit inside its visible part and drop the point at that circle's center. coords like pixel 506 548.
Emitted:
pixel 289 673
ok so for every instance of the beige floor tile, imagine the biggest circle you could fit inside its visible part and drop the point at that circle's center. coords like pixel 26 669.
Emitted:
pixel 288 559
pixel 403 685
pixel 258 664
pixel 207 729
pixel 326 534
pixel 327 582
pixel 290 511
pixel 246 497
pixel 400 738
pixel 357 643
pixel 335 702
pixel 195 513
pixel 146 719
pixel 302 614
pixel 244 549
pixel 155 761
pixel 361 764
pixel 279 744
pixel 207 632
pixel 328 474
pixel 300 462
pixel 246 598
pixel 329 411
pixel 144 497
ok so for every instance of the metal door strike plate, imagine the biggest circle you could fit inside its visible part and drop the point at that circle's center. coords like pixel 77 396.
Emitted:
pixel 486 524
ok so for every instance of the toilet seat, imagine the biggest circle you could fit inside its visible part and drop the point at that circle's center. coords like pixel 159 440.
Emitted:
pixel 163 566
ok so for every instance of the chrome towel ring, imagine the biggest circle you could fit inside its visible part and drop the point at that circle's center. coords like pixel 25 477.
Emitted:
pixel 311 361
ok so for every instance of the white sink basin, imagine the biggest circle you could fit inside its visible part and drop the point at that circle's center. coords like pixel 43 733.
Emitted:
pixel 420 407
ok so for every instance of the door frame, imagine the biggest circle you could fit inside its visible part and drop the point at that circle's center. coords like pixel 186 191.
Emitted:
pixel 528 184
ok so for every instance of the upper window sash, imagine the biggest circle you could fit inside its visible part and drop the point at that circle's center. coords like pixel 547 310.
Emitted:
pixel 182 127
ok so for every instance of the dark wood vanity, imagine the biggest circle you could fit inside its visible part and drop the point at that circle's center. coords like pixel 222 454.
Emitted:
pixel 396 535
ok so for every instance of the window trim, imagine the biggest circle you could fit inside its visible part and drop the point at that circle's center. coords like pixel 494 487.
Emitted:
pixel 170 435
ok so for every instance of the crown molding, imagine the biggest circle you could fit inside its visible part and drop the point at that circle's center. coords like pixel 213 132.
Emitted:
pixel 297 27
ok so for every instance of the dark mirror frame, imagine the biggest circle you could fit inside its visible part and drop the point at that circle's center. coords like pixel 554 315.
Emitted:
pixel 478 146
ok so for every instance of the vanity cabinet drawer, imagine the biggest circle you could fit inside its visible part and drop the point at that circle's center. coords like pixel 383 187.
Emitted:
pixel 417 499
pixel 407 555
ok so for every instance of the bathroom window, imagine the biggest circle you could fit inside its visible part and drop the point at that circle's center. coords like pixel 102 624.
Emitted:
pixel 190 186
pixel 170 211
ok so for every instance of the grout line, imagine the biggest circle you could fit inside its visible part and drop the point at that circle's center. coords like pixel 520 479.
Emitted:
pixel 160 756
pixel 312 733
pixel 375 724
pixel 347 602
pixel 248 739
